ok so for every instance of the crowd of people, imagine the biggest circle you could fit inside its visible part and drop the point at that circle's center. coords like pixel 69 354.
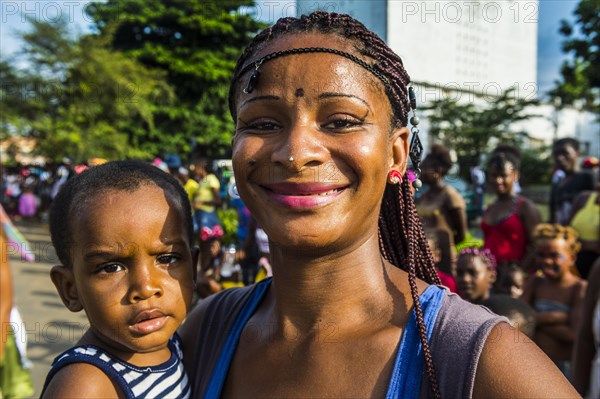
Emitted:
pixel 341 281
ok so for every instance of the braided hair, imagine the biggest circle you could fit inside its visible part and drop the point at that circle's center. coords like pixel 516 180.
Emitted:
pixel 402 241
pixel 557 231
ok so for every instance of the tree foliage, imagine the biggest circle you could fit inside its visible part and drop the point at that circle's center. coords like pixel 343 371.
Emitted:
pixel 470 129
pixel 152 78
pixel 196 43
pixel 580 75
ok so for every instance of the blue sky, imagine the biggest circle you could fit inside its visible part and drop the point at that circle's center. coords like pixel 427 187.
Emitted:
pixel 550 56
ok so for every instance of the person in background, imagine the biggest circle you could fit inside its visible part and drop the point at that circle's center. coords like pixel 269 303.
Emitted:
pixel 508 222
pixel 557 295
pixel 441 208
pixel 586 360
pixel 475 274
pixel 189 184
pixel 566 158
pixel 520 315
pixel 205 203
pixel 447 280
pixel 510 279
pixel 585 220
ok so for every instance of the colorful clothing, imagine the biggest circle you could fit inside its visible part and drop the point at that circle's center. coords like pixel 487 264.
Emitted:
pixel 507 239
pixel 587 220
pixel 206 193
pixel 434 214
pixel 564 192
pixel 167 380
pixel 456 330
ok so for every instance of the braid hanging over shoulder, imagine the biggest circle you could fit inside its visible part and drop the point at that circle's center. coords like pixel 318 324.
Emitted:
pixel 402 241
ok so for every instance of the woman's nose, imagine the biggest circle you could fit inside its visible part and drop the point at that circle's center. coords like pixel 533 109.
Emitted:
pixel 301 146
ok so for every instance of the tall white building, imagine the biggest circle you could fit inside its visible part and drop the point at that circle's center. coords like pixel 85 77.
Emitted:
pixel 472 47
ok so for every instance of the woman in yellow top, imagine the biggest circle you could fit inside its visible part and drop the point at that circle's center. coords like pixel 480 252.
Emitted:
pixel 585 219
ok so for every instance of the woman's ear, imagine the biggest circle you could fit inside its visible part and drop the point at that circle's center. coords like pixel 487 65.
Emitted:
pixel 399 159
pixel 64 281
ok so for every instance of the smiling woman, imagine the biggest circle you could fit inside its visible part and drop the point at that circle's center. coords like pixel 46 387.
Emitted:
pixel 321 107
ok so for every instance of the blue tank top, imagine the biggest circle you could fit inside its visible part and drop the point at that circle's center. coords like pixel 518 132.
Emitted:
pixel 407 373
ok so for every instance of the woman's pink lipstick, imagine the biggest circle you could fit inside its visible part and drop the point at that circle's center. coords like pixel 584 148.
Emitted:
pixel 303 195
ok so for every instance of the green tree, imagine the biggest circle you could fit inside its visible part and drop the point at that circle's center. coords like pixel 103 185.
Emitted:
pixel 196 42
pixel 80 99
pixel 580 75
pixel 470 129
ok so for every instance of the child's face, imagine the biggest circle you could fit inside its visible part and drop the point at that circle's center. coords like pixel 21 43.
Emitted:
pixel 553 256
pixel 132 268
pixel 473 278
pixel 509 281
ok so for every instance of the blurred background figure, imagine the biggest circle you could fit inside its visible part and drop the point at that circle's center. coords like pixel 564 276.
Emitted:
pixel 557 295
pixel 475 274
pixel 519 314
pixel 441 207
pixel 446 279
pixel 566 158
pixel 586 363
pixel 585 220
pixel 205 203
pixel 509 221
pixel 510 279
pixel 15 377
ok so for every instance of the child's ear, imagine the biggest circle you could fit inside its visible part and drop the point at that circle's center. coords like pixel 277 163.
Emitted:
pixel 493 276
pixel 400 150
pixel 195 260
pixel 64 281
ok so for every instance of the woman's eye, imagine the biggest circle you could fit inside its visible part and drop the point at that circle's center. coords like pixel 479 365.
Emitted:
pixel 258 126
pixel 343 124
pixel 110 268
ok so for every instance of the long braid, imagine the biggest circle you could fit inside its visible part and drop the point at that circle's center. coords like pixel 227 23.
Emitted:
pixel 401 238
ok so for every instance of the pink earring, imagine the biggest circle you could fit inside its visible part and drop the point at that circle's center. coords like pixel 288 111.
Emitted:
pixel 394 177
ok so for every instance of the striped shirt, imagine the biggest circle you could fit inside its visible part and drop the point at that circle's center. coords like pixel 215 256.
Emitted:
pixel 166 380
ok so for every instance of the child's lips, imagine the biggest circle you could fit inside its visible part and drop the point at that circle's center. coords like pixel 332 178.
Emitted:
pixel 148 321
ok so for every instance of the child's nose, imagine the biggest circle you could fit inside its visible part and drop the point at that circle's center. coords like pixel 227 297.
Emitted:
pixel 144 283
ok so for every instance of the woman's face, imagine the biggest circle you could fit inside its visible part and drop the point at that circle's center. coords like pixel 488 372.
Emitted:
pixel 502 177
pixel 313 146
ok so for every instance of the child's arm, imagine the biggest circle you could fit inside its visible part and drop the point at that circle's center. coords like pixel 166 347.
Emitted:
pixel 81 380
pixel 567 332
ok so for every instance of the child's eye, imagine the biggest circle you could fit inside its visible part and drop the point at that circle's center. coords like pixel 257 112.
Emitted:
pixel 168 259
pixel 110 268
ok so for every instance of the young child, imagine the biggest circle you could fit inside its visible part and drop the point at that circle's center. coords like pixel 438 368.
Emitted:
pixel 475 274
pixel 446 279
pixel 510 279
pixel 557 296
pixel 123 233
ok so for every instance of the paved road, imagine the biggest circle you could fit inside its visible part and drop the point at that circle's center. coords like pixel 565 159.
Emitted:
pixel 50 328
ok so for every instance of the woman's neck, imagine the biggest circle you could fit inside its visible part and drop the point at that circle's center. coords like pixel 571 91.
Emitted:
pixel 336 289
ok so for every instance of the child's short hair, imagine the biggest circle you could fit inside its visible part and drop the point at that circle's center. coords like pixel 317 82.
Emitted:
pixel 518 312
pixel 483 253
pixel 554 231
pixel 117 175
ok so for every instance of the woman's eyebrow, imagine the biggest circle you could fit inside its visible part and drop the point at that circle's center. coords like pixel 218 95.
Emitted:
pixel 265 97
pixel 333 94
